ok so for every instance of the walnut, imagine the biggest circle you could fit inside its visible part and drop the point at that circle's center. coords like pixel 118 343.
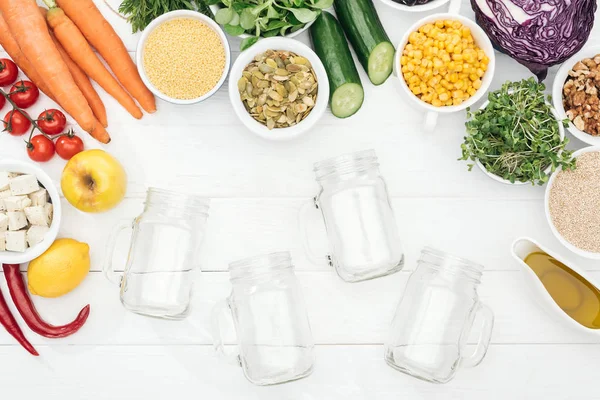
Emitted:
pixel 580 66
pixel 578 122
pixel 597 59
pixel 571 114
pixel 588 62
pixel 579 98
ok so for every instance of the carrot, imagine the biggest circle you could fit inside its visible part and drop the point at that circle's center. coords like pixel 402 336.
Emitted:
pixel 70 37
pixel 103 37
pixel 7 41
pixel 82 81
pixel 31 33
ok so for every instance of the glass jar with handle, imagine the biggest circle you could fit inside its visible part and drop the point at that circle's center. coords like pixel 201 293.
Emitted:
pixel 359 220
pixel 274 340
pixel 163 254
pixel 435 316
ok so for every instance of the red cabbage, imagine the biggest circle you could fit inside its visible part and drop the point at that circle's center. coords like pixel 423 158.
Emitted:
pixel 536 33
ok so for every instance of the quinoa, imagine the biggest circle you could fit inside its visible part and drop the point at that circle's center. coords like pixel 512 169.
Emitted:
pixel 574 203
pixel 184 58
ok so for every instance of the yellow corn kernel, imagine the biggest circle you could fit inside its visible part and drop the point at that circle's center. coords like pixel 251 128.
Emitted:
pixel 440 89
pixel 418 54
pixel 450 47
pixel 470 58
pixel 463 75
pixel 445 58
pixel 444 97
pixel 403 60
pixel 437 63
pixel 416 90
pixel 448 23
pixel 455 40
pixel 458 68
pixel 448 103
pixel 414 79
pixel 473 77
pixel 471 91
pixel 442 45
pixel 480 54
pixel 423 87
pixel 426 28
pixel 457 94
pixel 427 75
pixel 466 31
pixel 451 66
pixel 485 60
pixel 457 57
pixel 408 75
pixel 410 66
pixel 458 49
pixel 436 103
pixel 433 81
pixel 439 23
pixel 453 77
pixel 480 72
pixel 405 69
pixel 420 71
pixel 456 25
pixel 459 84
pixel 477 84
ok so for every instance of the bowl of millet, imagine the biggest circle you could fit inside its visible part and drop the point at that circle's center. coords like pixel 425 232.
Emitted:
pixel 183 57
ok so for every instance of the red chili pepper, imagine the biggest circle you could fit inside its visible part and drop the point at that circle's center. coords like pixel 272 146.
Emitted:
pixel 20 296
pixel 8 321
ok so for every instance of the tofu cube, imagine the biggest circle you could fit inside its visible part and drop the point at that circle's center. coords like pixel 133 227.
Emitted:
pixel 16 220
pixel 36 234
pixel 3 195
pixel 3 222
pixel 4 180
pixel 49 210
pixel 14 174
pixel 2 241
pixel 39 197
pixel 16 203
pixel 23 184
pixel 16 241
pixel 37 215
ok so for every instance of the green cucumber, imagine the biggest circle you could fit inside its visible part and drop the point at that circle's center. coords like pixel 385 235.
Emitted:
pixel 367 36
pixel 330 44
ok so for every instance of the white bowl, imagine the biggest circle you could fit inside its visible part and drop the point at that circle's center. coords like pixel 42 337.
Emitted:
pixel 10 257
pixel 279 43
pixel 181 14
pixel 482 41
pixel 520 249
pixel 567 244
pixel 454 6
pixel 215 7
pixel 557 92
pixel 561 132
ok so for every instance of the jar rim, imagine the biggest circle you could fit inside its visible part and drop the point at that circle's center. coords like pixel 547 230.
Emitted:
pixel 254 266
pixel 176 199
pixel 470 268
pixel 345 163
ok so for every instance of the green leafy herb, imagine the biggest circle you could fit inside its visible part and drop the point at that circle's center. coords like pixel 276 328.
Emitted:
pixel 267 18
pixel 516 137
pixel 140 13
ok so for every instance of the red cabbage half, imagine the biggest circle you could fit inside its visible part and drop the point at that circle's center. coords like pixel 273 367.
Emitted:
pixel 536 33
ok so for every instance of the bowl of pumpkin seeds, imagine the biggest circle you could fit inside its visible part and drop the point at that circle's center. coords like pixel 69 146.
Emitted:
pixel 278 88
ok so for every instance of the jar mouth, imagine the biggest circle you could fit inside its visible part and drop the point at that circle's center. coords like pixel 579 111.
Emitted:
pixel 346 163
pixel 176 200
pixel 452 263
pixel 253 267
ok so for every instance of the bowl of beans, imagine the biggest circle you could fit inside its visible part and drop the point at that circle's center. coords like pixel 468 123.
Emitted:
pixel 444 64
pixel 183 57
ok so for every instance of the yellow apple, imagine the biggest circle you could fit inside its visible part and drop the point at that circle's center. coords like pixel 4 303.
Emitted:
pixel 93 181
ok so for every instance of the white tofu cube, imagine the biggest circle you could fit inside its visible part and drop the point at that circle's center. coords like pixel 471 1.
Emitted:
pixel 4 180
pixel 37 215
pixel 16 241
pixel 14 174
pixel 2 241
pixel 16 220
pixel 16 203
pixel 4 194
pixel 23 184
pixel 39 197
pixel 36 234
pixel 49 210
pixel 3 222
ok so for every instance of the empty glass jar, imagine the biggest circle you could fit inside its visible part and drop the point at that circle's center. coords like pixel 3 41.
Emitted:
pixel 163 254
pixel 433 321
pixel 360 223
pixel 274 340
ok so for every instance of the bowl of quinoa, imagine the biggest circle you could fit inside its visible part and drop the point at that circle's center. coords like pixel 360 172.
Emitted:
pixel 183 57
pixel 572 204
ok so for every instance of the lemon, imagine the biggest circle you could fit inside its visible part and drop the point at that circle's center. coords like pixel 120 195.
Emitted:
pixel 59 269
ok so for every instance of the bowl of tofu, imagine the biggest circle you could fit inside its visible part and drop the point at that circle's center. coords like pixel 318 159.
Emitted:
pixel 30 211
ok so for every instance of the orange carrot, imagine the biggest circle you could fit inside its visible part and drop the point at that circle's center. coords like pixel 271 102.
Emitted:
pixel 7 41
pixel 103 37
pixel 31 33
pixel 70 37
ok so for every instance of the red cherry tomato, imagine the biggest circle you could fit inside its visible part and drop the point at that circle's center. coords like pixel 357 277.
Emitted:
pixel 8 72
pixel 69 145
pixel 2 101
pixel 52 122
pixel 18 125
pixel 24 94
pixel 40 149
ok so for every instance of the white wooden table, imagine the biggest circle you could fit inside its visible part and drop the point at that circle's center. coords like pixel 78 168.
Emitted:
pixel 257 188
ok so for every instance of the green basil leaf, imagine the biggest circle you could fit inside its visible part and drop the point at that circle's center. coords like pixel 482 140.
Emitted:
pixel 304 15
pixel 248 42
pixel 233 30
pixel 224 16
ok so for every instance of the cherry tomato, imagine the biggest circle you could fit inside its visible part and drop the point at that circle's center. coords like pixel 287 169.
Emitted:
pixel 40 149
pixel 69 145
pixel 2 101
pixel 24 94
pixel 8 72
pixel 52 122
pixel 18 125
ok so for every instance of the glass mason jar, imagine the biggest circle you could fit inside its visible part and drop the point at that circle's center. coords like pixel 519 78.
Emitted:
pixel 433 321
pixel 163 254
pixel 274 339
pixel 359 220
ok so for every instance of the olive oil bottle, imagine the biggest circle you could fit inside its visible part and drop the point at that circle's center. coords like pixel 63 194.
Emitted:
pixel 577 297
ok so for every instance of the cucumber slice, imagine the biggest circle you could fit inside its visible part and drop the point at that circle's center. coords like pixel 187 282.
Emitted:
pixel 381 62
pixel 347 100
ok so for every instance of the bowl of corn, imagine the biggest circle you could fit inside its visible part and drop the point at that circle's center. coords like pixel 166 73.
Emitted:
pixel 444 64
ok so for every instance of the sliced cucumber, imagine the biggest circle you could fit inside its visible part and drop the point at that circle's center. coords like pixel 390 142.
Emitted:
pixel 372 45
pixel 330 44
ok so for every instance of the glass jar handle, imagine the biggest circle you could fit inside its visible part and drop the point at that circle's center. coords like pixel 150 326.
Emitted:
pixel 484 337
pixel 107 268
pixel 302 226
pixel 222 308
